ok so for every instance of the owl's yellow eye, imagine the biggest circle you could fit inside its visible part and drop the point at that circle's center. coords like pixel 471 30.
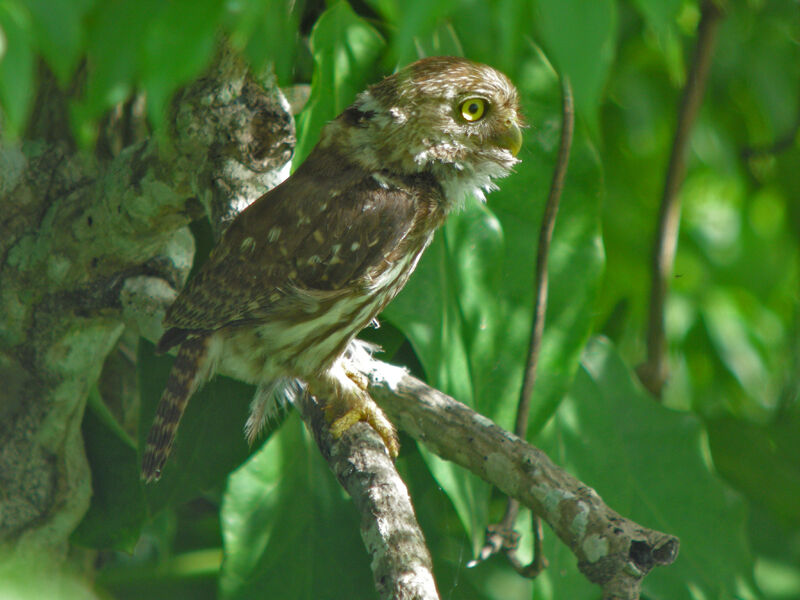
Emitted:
pixel 473 109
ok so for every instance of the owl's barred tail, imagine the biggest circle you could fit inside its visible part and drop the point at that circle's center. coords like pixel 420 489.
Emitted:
pixel 189 371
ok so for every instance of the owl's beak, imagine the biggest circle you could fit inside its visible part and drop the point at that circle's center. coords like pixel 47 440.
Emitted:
pixel 510 138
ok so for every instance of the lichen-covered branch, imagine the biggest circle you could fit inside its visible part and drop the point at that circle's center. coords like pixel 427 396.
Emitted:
pixel 612 551
pixel 401 563
pixel 79 236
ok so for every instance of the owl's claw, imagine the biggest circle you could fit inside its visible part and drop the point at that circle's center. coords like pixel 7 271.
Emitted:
pixel 346 412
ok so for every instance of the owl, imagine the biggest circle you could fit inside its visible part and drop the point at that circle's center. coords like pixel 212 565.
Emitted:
pixel 309 264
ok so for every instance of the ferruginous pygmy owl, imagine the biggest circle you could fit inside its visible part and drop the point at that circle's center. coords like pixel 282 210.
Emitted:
pixel 309 264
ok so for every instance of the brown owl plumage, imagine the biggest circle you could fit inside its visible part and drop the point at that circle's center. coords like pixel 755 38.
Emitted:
pixel 311 263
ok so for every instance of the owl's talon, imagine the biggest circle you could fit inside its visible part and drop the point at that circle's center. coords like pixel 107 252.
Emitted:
pixel 362 408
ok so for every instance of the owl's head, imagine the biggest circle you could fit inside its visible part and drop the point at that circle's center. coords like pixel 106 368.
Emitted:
pixel 452 117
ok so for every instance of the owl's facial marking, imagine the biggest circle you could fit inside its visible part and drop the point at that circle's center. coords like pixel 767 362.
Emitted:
pixel 457 120
pixel 357 118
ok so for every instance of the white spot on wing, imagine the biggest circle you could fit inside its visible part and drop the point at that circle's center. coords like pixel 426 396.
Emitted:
pixel 381 180
pixel 248 244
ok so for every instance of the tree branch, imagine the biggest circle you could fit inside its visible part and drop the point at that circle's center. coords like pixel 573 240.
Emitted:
pixel 78 238
pixel 654 371
pixel 401 563
pixel 612 551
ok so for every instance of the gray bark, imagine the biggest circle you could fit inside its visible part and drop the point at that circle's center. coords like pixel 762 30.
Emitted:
pixel 88 246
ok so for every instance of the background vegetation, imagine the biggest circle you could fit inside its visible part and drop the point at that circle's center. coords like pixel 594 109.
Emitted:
pixel 717 463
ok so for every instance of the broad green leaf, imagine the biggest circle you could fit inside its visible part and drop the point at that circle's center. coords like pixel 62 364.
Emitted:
pixel 16 67
pixel 763 462
pixel 412 23
pixel 112 74
pixel 417 18
pixel 580 39
pixel 496 33
pixel 649 463
pixel 467 309
pixel 660 14
pixel 288 529
pixel 210 441
pixel 345 49
pixel 268 33
pixel 117 510
pixel 442 41
pixel 59 30
pixel 178 45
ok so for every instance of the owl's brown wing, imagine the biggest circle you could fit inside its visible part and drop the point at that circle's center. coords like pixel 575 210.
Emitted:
pixel 324 230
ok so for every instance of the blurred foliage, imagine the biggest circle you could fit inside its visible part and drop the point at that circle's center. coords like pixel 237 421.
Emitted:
pixel 717 464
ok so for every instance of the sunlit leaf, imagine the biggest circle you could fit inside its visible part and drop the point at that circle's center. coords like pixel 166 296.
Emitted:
pixel 345 49
pixel 660 14
pixel 268 33
pixel 60 33
pixel 111 74
pixel 16 66
pixel 580 38
pixel 178 44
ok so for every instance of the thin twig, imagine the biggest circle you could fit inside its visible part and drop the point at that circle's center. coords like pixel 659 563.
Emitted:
pixel 502 536
pixel 545 237
pixel 653 373
pixel 401 563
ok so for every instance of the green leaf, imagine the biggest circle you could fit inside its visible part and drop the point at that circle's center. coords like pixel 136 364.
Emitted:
pixel 497 33
pixel 112 73
pixel 763 462
pixel 417 19
pixel 467 309
pixel 16 67
pixel 660 14
pixel 178 45
pixel 268 31
pixel 345 49
pixel 580 38
pixel 117 510
pixel 649 464
pixel 288 529
pixel 58 26
pixel 210 441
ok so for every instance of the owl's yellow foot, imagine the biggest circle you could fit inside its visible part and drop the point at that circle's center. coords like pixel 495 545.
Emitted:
pixel 347 410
